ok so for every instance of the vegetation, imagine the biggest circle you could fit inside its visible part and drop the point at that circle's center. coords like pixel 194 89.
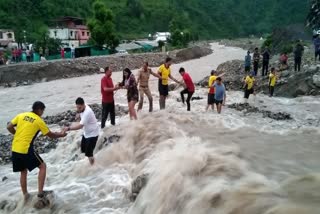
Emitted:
pixel 205 19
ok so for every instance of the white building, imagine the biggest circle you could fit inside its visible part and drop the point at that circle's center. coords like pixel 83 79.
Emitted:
pixel 6 37
pixel 162 36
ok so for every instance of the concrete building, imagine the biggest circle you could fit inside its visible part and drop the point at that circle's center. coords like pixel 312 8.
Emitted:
pixel 162 36
pixel 6 37
pixel 70 30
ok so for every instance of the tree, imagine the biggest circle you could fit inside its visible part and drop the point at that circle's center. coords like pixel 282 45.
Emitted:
pixel 180 35
pixel 102 26
pixel 313 19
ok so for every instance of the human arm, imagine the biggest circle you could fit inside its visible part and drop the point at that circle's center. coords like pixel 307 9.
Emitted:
pixel 55 135
pixel 155 74
pixel 107 88
pixel 76 126
pixel 10 128
pixel 174 79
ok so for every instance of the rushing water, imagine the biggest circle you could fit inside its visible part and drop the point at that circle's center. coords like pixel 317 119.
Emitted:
pixel 197 162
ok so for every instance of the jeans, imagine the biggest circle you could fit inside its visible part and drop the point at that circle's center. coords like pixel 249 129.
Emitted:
pixel 106 109
pixel 185 91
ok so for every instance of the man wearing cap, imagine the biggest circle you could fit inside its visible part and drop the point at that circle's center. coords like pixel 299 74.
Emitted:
pixel 25 128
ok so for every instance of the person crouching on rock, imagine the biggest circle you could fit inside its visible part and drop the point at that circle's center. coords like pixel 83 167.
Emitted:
pixel 89 123
pixel 189 89
pixel 249 83
pixel 25 128
pixel 220 94
pixel 129 82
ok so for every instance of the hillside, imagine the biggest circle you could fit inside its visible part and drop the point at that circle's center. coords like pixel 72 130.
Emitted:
pixel 208 19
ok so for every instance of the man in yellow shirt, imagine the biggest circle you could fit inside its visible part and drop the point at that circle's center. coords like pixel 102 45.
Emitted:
pixel 25 128
pixel 272 81
pixel 211 81
pixel 249 83
pixel 165 72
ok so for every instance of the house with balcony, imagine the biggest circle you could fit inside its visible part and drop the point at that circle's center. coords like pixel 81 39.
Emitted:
pixel 6 37
pixel 70 30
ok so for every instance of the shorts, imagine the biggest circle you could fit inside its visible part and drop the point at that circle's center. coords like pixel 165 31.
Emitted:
pixel 88 145
pixel 217 102
pixel 28 161
pixel 210 99
pixel 163 89
pixel 247 93
pixel 247 68
pixel 133 94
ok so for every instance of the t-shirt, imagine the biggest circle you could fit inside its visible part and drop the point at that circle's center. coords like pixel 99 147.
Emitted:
pixel 188 81
pixel 247 61
pixel 256 57
pixel 249 81
pixel 164 72
pixel 220 91
pixel 212 79
pixel 89 122
pixel 107 96
pixel 266 56
pixel 272 79
pixel 28 125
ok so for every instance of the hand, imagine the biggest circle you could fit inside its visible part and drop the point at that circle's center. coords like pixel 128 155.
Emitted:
pixel 224 103
pixel 65 129
pixel 77 117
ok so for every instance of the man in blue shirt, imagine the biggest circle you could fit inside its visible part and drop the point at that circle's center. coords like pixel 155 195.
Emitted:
pixel 247 62
pixel 220 94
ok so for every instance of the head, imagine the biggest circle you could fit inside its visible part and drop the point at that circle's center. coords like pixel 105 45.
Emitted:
pixel 38 108
pixel 145 65
pixel 256 50
pixel 107 71
pixel 219 80
pixel 80 105
pixel 213 72
pixel 126 74
pixel 168 62
pixel 251 74
pixel 248 53
pixel 273 70
pixel 182 71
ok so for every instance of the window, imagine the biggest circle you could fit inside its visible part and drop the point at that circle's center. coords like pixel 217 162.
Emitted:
pixel 9 35
pixel 1 35
pixel 82 33
pixel 88 34
pixel 55 33
pixel 71 33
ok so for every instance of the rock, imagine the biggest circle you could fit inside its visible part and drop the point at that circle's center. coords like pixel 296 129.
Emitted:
pixel 137 185
pixel 173 86
pixel 316 80
pixel 4 178
pixel 285 73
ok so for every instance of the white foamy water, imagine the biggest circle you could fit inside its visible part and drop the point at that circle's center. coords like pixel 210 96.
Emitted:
pixel 197 162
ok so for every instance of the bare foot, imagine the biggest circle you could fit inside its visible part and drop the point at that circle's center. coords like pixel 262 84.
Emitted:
pixel 91 160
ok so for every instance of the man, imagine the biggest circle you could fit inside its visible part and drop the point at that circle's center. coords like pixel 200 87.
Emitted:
pixel 272 81
pixel 25 128
pixel 73 52
pixel 143 81
pixel 256 59
pixel 90 129
pixel 247 62
pixel 298 52
pixel 46 53
pixel 212 79
pixel 220 94
pixel 265 61
pixel 187 81
pixel 249 84
pixel 107 92
pixel 40 52
pixel 316 43
pixel 165 73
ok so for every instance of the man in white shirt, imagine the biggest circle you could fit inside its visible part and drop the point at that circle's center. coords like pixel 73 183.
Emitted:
pixel 90 129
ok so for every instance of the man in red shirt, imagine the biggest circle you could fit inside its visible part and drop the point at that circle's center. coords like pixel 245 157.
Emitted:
pixel 107 89
pixel 189 89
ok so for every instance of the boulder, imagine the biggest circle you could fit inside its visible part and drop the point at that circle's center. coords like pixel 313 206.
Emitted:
pixel 316 80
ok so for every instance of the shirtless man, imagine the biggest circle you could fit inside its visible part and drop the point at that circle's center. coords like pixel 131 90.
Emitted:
pixel 143 81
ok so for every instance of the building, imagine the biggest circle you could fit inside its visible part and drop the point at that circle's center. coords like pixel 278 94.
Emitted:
pixel 6 37
pixel 162 36
pixel 70 30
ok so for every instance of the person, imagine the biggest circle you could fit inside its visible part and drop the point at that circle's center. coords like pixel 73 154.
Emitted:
pixel 143 82
pixel 28 55
pixel 247 62
pixel 189 89
pixel 73 52
pixel 249 85
pixel 256 59
pixel 90 127
pixel 272 81
pixel 46 53
pixel 165 72
pixel 265 61
pixel 220 94
pixel 298 52
pixel 25 128
pixel 211 80
pixel 316 43
pixel 283 61
pixel 129 83
pixel 62 53
pixel 40 52
pixel 107 92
